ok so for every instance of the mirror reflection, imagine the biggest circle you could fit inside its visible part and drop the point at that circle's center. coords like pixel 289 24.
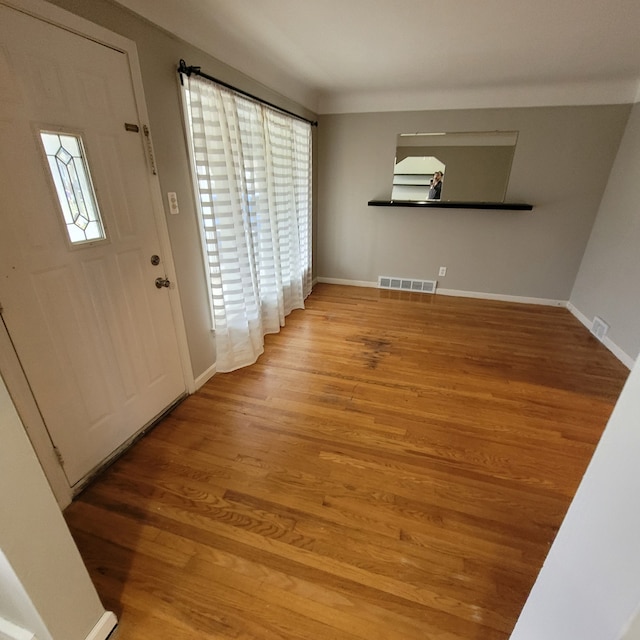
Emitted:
pixel 460 167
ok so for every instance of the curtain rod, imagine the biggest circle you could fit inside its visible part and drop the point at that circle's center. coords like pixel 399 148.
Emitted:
pixel 189 70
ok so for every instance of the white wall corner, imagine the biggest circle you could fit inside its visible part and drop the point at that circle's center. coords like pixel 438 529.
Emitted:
pixel 624 357
pixel 104 627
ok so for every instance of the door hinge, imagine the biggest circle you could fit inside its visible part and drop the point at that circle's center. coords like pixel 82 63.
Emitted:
pixel 58 455
pixel 152 160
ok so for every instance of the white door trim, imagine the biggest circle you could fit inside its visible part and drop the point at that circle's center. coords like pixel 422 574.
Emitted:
pixel 27 408
pixel 10 368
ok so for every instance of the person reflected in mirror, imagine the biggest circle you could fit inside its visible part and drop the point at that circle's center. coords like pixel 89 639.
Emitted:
pixel 435 186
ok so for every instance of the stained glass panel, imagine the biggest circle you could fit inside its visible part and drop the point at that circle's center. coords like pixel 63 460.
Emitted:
pixel 70 172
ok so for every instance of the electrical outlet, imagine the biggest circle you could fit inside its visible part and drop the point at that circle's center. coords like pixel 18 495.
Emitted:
pixel 442 272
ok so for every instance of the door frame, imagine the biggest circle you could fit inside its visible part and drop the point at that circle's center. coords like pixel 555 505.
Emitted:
pixel 10 367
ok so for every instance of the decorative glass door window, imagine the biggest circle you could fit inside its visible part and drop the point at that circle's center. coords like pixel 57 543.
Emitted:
pixel 70 173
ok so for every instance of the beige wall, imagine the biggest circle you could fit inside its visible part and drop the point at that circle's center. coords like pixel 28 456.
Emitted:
pixel 159 54
pixel 608 283
pixel 560 165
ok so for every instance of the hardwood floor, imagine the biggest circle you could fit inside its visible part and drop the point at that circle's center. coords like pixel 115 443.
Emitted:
pixel 394 466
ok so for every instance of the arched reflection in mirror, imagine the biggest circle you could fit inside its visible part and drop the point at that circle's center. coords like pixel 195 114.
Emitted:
pixel 478 165
pixel 412 177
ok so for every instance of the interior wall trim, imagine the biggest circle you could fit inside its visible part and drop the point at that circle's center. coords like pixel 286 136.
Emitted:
pixel 348 283
pixel 549 302
pixel 205 376
pixel 103 628
pixel 12 631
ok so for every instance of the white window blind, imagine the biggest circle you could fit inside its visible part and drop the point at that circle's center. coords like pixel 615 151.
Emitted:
pixel 252 167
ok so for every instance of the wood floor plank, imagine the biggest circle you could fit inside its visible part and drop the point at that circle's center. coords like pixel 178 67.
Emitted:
pixel 395 465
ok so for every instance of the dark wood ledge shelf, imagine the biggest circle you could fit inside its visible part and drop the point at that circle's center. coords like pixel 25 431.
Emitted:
pixel 451 204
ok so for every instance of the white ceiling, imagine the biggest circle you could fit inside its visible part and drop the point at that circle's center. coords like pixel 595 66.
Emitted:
pixel 377 55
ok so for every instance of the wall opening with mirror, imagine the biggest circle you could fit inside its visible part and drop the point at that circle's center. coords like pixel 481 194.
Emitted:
pixel 478 165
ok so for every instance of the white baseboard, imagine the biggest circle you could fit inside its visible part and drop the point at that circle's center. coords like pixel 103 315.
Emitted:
pixel 101 631
pixel 624 357
pixel 104 626
pixel 10 631
pixel 203 378
pixel 455 292
pixel 348 283
pixel 578 314
pixel 549 302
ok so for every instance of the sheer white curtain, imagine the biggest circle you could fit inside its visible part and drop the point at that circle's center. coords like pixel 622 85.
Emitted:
pixel 252 167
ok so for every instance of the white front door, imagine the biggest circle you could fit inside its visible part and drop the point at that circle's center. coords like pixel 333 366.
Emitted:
pixel 96 338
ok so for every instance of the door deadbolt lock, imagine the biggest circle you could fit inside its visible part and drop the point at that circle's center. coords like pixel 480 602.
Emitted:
pixel 163 282
pixel 155 260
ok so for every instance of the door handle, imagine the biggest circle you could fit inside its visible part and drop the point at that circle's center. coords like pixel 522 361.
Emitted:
pixel 163 282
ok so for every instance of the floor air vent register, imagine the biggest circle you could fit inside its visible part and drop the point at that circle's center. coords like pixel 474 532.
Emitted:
pixel 406 284
pixel 599 328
